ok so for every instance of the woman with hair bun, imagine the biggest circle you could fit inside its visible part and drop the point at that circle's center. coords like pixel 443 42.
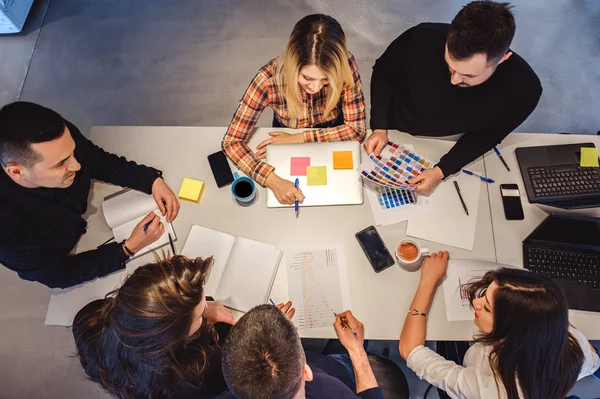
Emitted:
pixel 155 337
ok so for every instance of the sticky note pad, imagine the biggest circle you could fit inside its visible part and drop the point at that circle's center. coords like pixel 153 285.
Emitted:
pixel 343 160
pixel 191 190
pixel 316 175
pixel 299 165
pixel 589 157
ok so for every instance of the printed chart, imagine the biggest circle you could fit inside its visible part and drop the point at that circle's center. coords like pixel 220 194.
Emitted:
pixel 318 285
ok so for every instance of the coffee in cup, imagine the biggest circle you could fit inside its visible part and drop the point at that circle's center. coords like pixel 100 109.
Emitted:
pixel 243 189
pixel 409 255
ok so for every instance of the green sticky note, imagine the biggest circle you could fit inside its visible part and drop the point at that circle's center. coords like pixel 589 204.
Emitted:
pixel 316 175
pixel 589 157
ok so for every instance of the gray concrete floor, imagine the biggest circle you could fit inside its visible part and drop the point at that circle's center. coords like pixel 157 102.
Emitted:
pixel 187 62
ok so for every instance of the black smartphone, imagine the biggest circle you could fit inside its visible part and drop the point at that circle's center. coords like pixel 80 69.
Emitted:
pixel 511 200
pixel 220 169
pixel 374 248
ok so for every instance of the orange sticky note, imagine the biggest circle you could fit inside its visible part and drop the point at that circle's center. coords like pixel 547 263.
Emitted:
pixel 342 160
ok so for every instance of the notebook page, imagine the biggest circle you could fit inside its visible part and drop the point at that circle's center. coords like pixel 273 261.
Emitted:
pixel 249 274
pixel 203 242
pixel 125 206
pixel 124 231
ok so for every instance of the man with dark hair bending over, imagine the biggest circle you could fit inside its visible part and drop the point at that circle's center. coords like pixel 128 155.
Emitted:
pixel 446 79
pixel 47 167
pixel 263 359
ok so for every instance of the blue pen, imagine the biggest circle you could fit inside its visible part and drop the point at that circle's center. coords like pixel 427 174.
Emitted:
pixel 501 158
pixel 296 184
pixel 146 226
pixel 479 175
pixel 272 303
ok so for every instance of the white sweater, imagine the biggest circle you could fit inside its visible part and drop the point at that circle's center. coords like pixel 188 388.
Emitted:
pixel 475 379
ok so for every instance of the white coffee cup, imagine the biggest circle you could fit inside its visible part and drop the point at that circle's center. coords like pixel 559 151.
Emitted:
pixel 414 264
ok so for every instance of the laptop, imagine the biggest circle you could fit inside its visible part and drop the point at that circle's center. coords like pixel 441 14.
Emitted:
pixel 552 176
pixel 567 249
pixel 335 186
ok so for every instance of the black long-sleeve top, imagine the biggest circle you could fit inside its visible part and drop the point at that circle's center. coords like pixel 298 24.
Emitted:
pixel 39 227
pixel 411 92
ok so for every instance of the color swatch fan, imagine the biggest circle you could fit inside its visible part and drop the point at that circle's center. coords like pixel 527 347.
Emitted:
pixel 395 165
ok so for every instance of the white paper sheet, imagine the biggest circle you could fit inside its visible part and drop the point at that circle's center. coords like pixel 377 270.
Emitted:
pixel 202 242
pixel 461 272
pixel 126 205
pixel 249 274
pixel 450 225
pixel 318 285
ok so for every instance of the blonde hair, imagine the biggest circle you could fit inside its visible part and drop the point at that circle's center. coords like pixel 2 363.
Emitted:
pixel 315 40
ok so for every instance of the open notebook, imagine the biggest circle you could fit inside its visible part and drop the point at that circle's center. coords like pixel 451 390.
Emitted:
pixel 124 209
pixel 244 270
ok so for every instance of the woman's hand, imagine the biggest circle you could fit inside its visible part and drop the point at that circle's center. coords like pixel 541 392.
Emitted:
pixel 278 138
pixel 215 312
pixel 284 190
pixel 434 268
pixel 287 309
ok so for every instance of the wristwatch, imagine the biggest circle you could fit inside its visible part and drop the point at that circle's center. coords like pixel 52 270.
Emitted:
pixel 415 312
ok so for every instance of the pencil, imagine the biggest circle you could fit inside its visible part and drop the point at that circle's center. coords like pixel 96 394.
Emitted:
pixel 171 242
pixel 462 201
pixel 345 324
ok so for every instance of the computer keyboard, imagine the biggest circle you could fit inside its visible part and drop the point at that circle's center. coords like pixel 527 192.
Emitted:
pixel 564 180
pixel 583 268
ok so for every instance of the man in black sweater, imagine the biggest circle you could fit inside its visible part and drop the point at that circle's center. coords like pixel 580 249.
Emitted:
pixel 263 358
pixel 47 167
pixel 441 80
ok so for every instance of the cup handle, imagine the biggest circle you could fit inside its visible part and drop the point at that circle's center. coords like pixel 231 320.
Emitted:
pixel 236 175
pixel 425 251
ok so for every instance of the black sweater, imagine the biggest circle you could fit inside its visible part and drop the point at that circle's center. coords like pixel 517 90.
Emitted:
pixel 411 92
pixel 39 227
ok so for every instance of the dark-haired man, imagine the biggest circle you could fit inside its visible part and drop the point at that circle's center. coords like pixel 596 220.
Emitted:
pixel 263 359
pixel 442 80
pixel 47 167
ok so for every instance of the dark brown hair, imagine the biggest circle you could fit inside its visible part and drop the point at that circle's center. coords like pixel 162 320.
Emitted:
pixel 483 27
pixel 530 339
pixel 263 356
pixel 135 342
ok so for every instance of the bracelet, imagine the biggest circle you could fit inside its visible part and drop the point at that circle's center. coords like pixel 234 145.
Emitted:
pixel 128 251
pixel 415 312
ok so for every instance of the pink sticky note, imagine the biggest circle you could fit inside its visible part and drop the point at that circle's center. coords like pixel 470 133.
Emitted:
pixel 299 165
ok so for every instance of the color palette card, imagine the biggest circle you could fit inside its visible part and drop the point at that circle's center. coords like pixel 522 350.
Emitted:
pixel 394 166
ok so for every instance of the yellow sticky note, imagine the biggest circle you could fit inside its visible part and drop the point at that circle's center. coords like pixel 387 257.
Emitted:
pixel 589 157
pixel 316 175
pixel 343 160
pixel 191 190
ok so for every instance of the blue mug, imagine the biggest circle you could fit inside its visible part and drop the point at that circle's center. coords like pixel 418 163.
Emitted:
pixel 243 189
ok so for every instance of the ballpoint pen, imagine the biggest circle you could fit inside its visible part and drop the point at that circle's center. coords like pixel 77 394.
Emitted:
pixel 497 151
pixel 296 184
pixel 462 201
pixel 345 324
pixel 171 242
pixel 272 303
pixel 479 175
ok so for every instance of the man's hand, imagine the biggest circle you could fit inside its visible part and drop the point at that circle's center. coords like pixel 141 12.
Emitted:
pixel 351 342
pixel 284 190
pixel 140 238
pixel 427 180
pixel 215 313
pixel 376 141
pixel 164 195
pixel 287 309
pixel 278 138
pixel 434 268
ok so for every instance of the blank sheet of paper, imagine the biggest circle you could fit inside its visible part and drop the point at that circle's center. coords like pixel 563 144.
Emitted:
pixel 450 225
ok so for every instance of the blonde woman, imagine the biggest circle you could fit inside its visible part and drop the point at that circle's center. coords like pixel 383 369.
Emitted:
pixel 314 85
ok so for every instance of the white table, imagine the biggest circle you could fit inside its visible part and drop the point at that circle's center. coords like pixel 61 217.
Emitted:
pixel 509 234
pixel 379 300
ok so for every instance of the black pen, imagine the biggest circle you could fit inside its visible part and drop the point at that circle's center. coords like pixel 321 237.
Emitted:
pixel 497 151
pixel 461 198
pixel 171 242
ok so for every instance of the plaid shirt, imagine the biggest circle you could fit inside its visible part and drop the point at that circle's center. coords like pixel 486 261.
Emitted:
pixel 263 92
